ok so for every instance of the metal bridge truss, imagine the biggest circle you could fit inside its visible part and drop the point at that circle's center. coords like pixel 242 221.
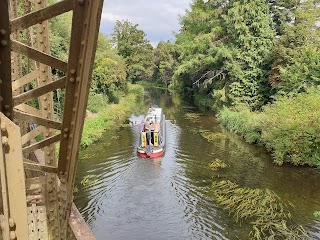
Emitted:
pixel 37 179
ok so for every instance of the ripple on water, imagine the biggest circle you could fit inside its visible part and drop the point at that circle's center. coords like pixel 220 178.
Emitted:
pixel 126 197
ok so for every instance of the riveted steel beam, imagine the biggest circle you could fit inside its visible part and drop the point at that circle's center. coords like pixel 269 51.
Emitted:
pixel 85 28
pixel 5 62
pixel 41 15
pixel 38 55
pixel 26 117
pixel 15 179
pixel 37 92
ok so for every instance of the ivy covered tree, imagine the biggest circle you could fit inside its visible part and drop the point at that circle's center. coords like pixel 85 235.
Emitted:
pixel 226 46
pixel 302 35
pixel 249 30
pixel 201 72
pixel 135 49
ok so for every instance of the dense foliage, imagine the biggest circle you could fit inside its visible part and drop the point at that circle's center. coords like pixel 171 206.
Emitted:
pixel 245 55
pixel 256 60
pixel 289 127
pixel 135 49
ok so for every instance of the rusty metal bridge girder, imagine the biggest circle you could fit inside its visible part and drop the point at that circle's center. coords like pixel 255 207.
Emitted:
pixel 48 191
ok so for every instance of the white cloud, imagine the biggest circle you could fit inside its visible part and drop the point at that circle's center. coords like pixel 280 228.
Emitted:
pixel 158 19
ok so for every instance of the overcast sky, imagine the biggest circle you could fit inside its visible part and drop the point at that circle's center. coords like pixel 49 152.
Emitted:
pixel 158 19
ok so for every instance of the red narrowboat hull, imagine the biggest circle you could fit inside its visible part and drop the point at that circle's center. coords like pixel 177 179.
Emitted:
pixel 143 154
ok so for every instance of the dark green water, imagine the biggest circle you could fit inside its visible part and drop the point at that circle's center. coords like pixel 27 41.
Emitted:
pixel 123 196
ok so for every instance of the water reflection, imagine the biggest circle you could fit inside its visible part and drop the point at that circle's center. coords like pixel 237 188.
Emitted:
pixel 126 197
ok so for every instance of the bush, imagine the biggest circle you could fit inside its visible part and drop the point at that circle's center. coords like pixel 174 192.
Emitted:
pixel 243 122
pixel 291 129
pixel 96 102
pixel 110 115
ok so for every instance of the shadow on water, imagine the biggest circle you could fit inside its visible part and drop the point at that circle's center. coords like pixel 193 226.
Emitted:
pixel 123 196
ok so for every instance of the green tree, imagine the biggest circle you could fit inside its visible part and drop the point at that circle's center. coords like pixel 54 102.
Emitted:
pixel 226 46
pixel 109 73
pixel 135 49
pixel 251 37
pixel 302 75
pixel 300 34
pixel 165 59
pixel 201 73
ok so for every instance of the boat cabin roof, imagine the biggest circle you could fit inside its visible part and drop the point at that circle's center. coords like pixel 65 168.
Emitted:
pixel 154 114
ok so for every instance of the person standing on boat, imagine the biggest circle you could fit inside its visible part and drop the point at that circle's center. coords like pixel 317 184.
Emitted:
pixel 147 129
pixel 147 124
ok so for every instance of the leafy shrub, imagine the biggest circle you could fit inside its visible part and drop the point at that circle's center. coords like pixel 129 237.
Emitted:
pixel 109 116
pixel 243 122
pixel 291 129
pixel 203 101
pixel 96 102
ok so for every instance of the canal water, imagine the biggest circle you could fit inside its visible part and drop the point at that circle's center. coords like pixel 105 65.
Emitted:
pixel 122 196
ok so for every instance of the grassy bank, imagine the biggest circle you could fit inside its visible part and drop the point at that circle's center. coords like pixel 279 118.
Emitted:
pixel 289 128
pixel 109 115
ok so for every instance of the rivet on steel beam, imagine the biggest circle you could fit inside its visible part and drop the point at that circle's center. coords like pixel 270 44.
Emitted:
pixel 78 79
pixel 65 135
pixel 0 81
pixel 81 2
pixel 47 134
pixel 8 114
pixel 5 141
pixel 12 235
pixel 4 42
pixel 74 109
pixel 6 106
pixel 72 71
pixel 38 1
pixel 44 98
pixel 3 31
pixel 3 127
pixel 48 153
pixel 71 80
pixel 83 42
pixel 11 223
pixel 1 98
pixel 66 130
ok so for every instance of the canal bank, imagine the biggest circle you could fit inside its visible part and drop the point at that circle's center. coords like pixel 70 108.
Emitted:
pixel 110 115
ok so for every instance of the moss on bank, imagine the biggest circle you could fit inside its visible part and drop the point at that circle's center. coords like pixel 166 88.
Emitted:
pixel 110 115
pixel 289 128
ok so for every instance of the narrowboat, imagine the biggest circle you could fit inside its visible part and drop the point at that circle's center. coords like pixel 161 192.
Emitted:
pixel 152 134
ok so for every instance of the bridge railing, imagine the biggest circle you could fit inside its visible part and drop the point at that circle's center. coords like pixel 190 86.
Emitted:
pixel 49 177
